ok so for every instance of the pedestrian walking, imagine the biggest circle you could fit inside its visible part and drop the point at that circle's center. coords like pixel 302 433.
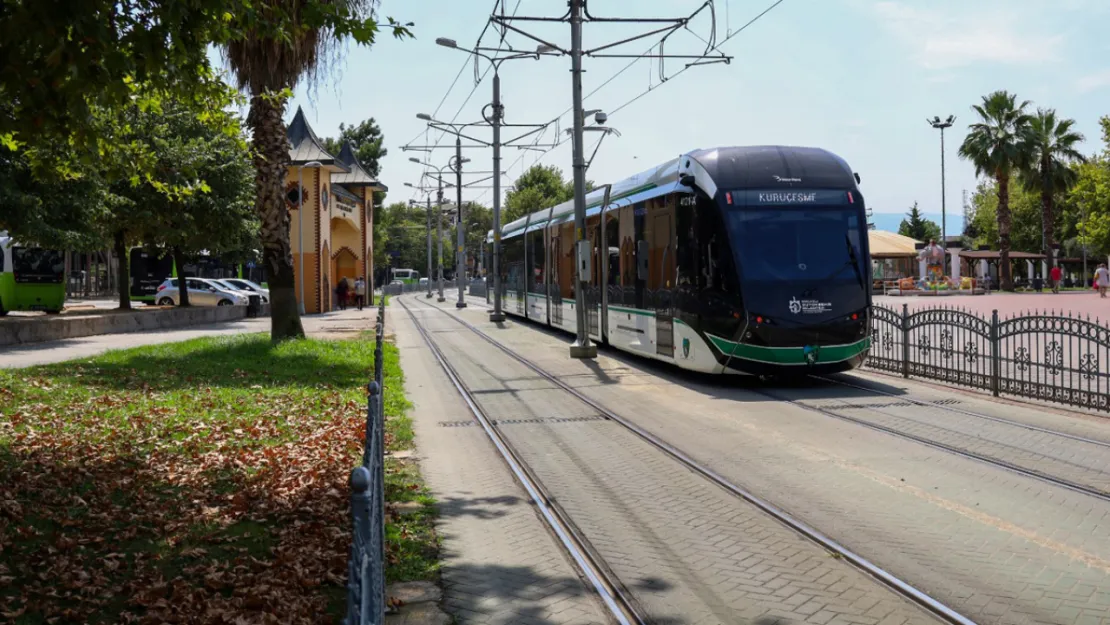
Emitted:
pixel 360 291
pixel 343 289
pixel 1102 279
pixel 1056 275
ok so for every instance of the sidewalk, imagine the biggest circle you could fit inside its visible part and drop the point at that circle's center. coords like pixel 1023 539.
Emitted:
pixel 339 324
pixel 500 565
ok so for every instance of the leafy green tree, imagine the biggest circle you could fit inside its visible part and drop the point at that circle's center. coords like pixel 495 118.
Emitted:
pixel 1052 148
pixel 998 146
pixel 367 139
pixel 541 186
pixel 1024 207
pixel 281 42
pixel 917 227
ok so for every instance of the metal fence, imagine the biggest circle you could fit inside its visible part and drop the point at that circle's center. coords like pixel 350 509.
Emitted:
pixel 366 566
pixel 1050 356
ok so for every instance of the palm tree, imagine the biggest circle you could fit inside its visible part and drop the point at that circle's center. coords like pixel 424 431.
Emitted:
pixel 998 146
pixel 1051 149
pixel 286 41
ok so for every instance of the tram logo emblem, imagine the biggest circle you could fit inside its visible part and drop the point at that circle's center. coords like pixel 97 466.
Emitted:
pixel 795 305
pixel 781 179
pixel 685 348
pixel 810 353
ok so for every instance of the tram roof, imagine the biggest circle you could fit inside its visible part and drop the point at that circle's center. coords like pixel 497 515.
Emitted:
pixel 761 166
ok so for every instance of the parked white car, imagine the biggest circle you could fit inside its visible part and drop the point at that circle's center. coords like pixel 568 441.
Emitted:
pixel 250 287
pixel 201 293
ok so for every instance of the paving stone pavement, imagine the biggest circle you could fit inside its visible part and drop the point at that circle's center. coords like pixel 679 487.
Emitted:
pixel 499 563
pixel 688 551
pixel 999 547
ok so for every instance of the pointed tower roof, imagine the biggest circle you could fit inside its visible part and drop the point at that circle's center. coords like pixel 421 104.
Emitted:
pixel 357 175
pixel 305 146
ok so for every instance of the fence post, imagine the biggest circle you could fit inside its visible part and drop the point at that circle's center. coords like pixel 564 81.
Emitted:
pixel 905 342
pixel 996 355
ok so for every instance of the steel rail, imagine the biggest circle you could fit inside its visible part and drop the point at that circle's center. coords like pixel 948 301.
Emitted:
pixel 900 586
pixel 964 453
pixel 613 595
pixel 969 413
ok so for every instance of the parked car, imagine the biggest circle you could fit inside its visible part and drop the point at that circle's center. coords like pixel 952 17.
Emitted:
pixel 250 287
pixel 231 284
pixel 423 282
pixel 201 293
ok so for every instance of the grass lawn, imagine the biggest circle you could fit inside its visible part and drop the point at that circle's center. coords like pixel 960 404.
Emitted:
pixel 195 482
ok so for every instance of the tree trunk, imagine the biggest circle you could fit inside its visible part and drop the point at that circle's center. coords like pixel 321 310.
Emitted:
pixel 1005 270
pixel 1047 216
pixel 123 273
pixel 271 155
pixel 182 284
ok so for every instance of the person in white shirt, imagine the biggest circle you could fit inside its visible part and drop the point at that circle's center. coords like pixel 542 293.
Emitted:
pixel 1102 279
pixel 360 292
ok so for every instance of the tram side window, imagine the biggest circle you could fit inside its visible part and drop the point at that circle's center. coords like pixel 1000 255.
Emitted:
pixel 566 260
pixel 613 252
pixel 514 262
pixel 686 253
pixel 535 251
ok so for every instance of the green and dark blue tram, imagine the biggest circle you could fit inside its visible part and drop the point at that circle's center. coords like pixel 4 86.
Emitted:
pixel 744 260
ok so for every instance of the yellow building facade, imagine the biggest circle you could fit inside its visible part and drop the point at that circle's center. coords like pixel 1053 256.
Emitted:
pixel 331 217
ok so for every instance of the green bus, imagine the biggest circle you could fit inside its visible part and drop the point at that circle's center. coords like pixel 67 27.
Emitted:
pixel 408 276
pixel 31 278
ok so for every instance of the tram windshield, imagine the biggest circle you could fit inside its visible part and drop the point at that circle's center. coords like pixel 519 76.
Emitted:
pixel 38 266
pixel 801 245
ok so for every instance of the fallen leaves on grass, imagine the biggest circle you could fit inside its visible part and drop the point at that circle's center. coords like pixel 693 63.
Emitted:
pixel 117 506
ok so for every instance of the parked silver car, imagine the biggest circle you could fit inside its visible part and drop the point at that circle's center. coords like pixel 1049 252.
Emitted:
pixel 201 293
pixel 225 283
pixel 250 287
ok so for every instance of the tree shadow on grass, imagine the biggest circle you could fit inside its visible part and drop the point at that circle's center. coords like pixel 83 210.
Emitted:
pixel 245 361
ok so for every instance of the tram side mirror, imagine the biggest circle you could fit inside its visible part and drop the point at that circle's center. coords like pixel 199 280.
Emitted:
pixel 641 260
pixel 687 180
pixel 857 177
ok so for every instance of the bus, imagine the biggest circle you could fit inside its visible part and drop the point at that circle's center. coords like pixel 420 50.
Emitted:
pixel 31 278
pixel 408 276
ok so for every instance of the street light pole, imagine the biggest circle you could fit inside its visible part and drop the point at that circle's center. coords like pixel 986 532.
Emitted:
pixel 496 315
pixel 428 214
pixel 439 235
pixel 582 348
pixel 941 125
pixel 460 225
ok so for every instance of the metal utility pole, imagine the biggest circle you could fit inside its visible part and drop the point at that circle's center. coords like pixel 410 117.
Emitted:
pixel 460 225
pixel 496 315
pixel 429 216
pixel 941 125
pixel 582 347
pixel 439 235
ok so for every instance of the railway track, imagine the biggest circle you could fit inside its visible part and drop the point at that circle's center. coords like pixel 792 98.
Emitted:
pixel 615 595
pixel 1052 474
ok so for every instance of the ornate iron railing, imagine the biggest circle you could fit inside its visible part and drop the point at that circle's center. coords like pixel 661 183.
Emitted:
pixel 366 565
pixel 1050 356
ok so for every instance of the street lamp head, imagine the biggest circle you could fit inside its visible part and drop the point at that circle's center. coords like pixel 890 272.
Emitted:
pixel 413 159
pixel 409 185
pixel 446 43
pixel 424 116
pixel 543 48
pixel 951 119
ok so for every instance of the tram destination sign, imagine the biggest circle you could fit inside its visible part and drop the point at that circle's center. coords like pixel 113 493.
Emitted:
pixel 791 197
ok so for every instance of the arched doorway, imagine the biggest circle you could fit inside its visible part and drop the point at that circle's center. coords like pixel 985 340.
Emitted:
pixel 345 265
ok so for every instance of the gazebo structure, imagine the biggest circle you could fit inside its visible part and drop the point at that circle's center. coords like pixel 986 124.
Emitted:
pixel 892 255
pixel 984 263
pixel 338 220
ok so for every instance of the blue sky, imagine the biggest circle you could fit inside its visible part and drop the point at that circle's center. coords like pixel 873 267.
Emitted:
pixel 857 77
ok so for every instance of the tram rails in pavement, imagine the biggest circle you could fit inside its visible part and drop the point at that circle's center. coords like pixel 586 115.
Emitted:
pixel 616 597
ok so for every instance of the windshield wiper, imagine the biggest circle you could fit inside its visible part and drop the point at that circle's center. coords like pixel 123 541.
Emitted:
pixel 854 260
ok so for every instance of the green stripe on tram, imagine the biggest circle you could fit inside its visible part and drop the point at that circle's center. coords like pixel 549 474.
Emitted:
pixel 790 355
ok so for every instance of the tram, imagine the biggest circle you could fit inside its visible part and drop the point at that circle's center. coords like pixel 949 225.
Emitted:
pixel 735 260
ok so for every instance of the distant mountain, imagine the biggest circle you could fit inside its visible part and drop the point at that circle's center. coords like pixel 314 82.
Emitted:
pixel 891 221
